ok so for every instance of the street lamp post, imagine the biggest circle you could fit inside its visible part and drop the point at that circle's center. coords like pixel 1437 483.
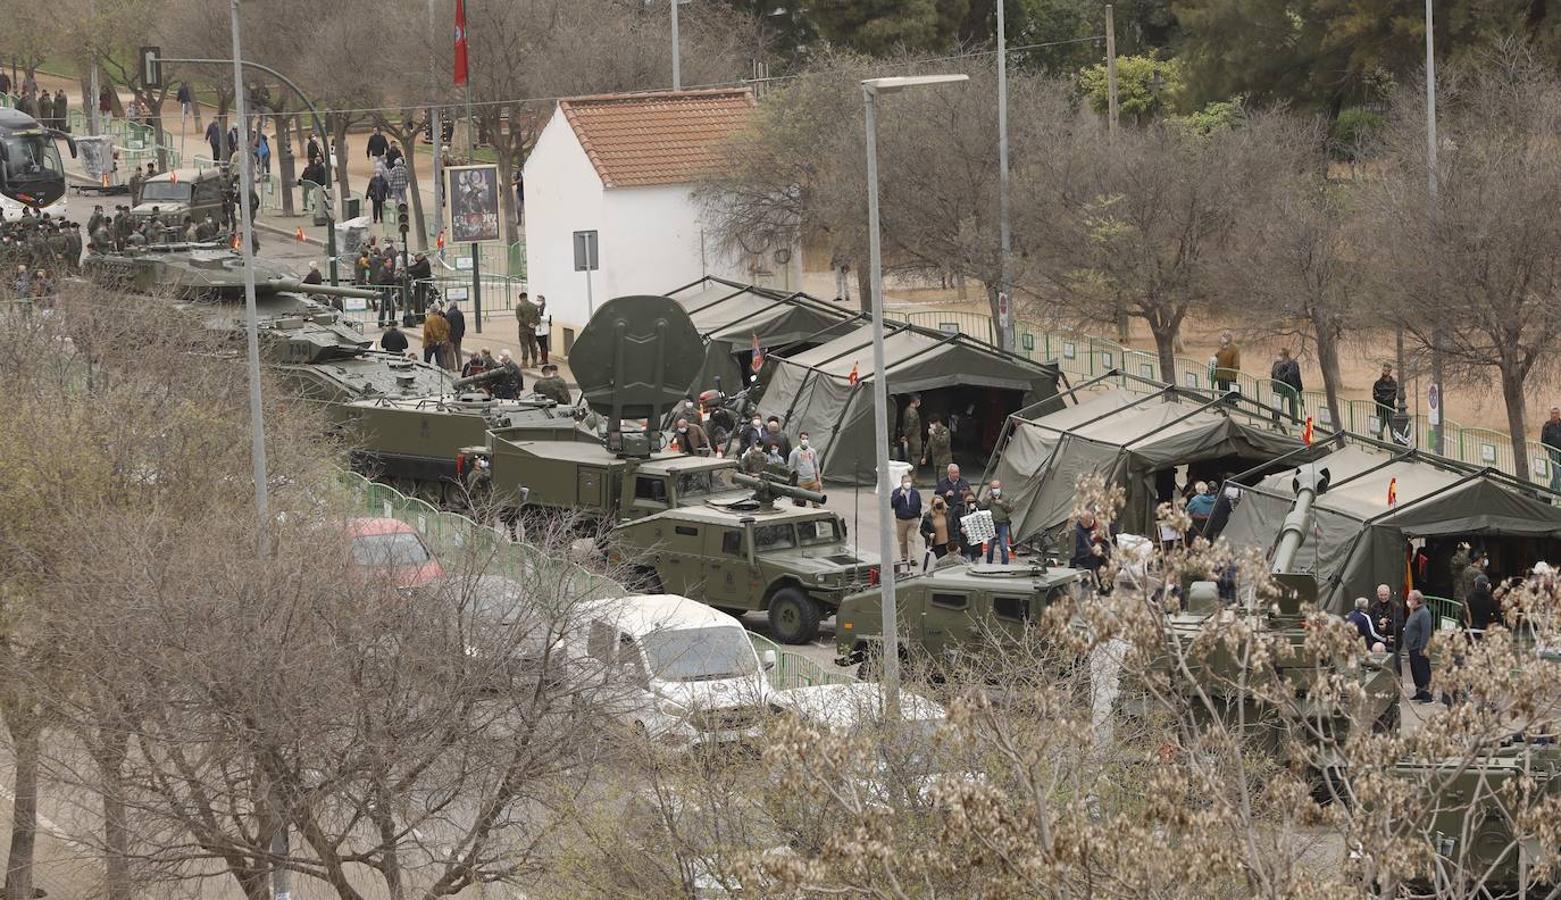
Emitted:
pixel 1440 412
pixel 1005 321
pixel 871 89
pixel 677 62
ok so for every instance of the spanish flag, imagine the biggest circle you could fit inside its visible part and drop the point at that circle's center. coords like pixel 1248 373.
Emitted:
pixel 854 377
pixel 1392 492
pixel 758 355
pixel 1306 432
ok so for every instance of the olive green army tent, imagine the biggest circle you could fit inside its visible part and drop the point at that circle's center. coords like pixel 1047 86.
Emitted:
pixel 1128 438
pixel 1357 539
pixel 731 316
pixel 816 392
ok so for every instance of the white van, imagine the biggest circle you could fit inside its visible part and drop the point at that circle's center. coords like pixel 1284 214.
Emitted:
pixel 689 673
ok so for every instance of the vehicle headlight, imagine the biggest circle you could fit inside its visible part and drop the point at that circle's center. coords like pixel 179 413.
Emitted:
pixel 671 708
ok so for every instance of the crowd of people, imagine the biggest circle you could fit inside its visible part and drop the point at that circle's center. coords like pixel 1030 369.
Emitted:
pixel 53 111
pixel 35 251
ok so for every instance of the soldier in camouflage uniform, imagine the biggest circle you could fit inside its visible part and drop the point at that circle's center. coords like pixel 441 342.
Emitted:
pixel 940 449
pixel 910 431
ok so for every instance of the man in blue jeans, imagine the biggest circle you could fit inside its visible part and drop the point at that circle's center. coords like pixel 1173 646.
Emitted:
pixel 1002 510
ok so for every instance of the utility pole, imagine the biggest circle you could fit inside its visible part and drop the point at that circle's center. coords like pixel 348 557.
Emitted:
pixel 1439 430
pixel 281 878
pixel 677 62
pixel 1005 319
pixel 1111 68
pixel 437 133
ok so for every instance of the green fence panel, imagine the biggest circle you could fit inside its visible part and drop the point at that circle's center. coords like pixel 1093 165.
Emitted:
pixel 1449 613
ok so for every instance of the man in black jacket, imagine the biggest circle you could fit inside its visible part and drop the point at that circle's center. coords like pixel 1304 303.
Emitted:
pixel 1286 378
pixel 1384 393
pixel 393 340
pixel 377 144
pixel 1550 436
pixel 420 273
pixel 457 320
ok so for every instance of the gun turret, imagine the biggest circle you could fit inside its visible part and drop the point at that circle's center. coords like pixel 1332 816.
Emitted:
pixel 766 489
pixel 1300 587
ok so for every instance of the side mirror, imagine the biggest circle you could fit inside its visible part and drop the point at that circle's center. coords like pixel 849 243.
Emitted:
pixel 768 659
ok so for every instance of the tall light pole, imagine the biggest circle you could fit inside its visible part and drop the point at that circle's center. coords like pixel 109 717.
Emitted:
pixel 1005 319
pixel 871 89
pixel 1437 442
pixel 677 62
pixel 281 878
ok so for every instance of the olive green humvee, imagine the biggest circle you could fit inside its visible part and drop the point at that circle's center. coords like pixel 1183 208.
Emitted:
pixel 792 562
pixel 946 609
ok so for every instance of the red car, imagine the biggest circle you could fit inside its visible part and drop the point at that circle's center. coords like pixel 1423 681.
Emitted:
pixel 392 548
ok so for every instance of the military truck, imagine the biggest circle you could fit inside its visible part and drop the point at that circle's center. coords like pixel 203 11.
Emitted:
pixel 634 361
pixel 415 442
pixel 196 193
pixel 794 563
pixel 950 612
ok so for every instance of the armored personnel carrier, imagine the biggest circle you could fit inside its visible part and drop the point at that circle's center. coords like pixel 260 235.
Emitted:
pixel 323 355
pixel 950 612
pixel 634 361
pixel 792 562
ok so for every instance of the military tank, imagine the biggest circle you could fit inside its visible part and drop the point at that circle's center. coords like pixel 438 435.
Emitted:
pixel 634 361
pixel 323 355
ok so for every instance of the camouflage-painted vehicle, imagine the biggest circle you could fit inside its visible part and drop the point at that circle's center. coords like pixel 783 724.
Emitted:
pixel 951 612
pixel 794 563
pixel 634 361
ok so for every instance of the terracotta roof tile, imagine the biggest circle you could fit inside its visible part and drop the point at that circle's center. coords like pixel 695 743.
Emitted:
pixel 656 138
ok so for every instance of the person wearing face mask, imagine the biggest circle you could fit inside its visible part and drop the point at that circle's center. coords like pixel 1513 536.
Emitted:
pixel 804 463
pixel 906 502
pixel 751 435
pixel 938 529
pixel 691 438
pixel 1002 510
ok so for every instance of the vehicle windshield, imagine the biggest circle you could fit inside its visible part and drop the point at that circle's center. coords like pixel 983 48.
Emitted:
pixel 31 156
pixel 396 550
pixel 709 481
pixel 818 531
pixel 774 537
pixel 700 654
pixel 165 192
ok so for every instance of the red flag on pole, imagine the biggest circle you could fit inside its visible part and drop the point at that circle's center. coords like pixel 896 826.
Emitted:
pixel 758 355
pixel 460 42
pixel 853 377
pixel 1306 432
pixel 1392 492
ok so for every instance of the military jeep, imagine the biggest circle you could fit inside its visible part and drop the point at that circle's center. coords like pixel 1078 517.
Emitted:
pixel 949 611
pixel 792 562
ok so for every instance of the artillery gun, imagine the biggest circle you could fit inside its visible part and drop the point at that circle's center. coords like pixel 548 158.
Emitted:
pixel 634 361
pixel 1241 693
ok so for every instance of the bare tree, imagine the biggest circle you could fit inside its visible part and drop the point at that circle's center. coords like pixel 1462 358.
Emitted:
pixel 1132 226
pixel 1298 268
pixel 1476 274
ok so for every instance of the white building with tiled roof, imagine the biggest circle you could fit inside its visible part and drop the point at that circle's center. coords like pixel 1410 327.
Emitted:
pixel 625 166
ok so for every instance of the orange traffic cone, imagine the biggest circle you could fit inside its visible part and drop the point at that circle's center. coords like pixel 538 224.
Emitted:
pixel 299 233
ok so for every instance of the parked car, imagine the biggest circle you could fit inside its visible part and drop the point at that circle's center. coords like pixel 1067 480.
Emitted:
pixel 392 549
pixel 690 674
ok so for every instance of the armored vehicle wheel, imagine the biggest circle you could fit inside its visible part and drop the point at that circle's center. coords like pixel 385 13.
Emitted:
pixel 793 616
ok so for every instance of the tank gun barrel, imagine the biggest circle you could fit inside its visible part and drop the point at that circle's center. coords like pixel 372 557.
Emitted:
pixel 480 378
pixel 767 489
pixel 327 290
pixel 1310 481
